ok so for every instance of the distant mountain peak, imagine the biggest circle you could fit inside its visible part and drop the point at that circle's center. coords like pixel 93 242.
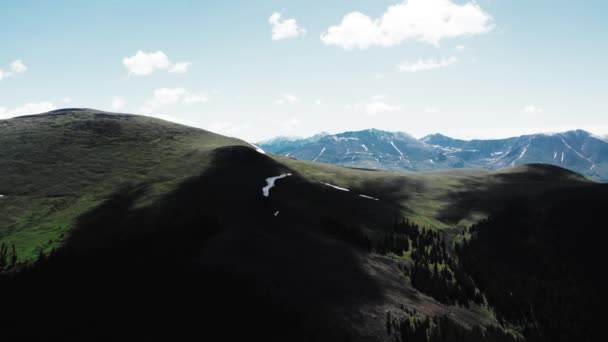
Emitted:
pixel 373 148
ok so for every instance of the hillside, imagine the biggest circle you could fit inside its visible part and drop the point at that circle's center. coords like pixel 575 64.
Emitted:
pixel 158 221
pixel 578 150
pixel 58 165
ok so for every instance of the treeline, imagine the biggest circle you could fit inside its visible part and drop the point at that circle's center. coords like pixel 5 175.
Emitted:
pixel 441 329
pixel 540 264
pixel 434 271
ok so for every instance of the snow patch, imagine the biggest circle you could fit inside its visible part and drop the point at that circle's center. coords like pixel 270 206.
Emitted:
pixel 335 187
pixel 320 153
pixel 431 160
pixel 276 213
pixel 344 138
pixel 554 155
pixel 562 157
pixel 270 183
pixel 257 148
pixel 365 147
pixel 580 155
pixel 521 155
pixel 369 197
pixel 398 150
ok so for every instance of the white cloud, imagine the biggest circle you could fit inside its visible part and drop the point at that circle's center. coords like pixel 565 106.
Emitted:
pixel 27 109
pixel 287 98
pixel 180 68
pixel 377 107
pixel 318 102
pixel 427 21
pixel 15 68
pixel 460 48
pixel 426 64
pixel 284 29
pixel 66 100
pixel 171 96
pixel 118 103
pixel 431 109
pixel 145 63
pixel 532 109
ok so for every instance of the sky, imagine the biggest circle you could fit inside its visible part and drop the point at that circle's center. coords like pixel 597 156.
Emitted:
pixel 259 69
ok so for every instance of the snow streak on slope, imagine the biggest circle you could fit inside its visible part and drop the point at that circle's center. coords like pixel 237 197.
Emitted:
pixel 521 155
pixel 270 183
pixel 580 155
pixel 320 153
pixel 398 150
pixel 335 187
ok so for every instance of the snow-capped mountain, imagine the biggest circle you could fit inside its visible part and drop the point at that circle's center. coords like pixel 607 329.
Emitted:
pixel 577 150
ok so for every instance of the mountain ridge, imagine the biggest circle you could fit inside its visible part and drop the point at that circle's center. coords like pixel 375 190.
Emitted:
pixel 577 150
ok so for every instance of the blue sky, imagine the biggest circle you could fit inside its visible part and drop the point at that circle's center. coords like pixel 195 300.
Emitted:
pixel 490 68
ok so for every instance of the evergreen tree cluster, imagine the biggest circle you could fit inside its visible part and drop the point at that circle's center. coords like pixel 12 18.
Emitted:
pixel 8 259
pixel 435 271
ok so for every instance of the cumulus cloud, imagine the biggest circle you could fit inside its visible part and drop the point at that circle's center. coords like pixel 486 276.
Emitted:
pixel 286 98
pixel 427 21
pixel 284 29
pixel 15 68
pixel 532 109
pixel 145 63
pixel 18 67
pixel 118 103
pixel 27 109
pixel 426 64
pixel 171 96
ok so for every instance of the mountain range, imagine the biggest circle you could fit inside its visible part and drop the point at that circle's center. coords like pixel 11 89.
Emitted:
pixel 375 149
pixel 124 227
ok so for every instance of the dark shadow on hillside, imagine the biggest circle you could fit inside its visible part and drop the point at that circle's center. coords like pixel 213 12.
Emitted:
pixel 209 259
pixel 491 193
pixel 540 262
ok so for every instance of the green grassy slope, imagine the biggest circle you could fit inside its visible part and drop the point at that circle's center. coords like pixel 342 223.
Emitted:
pixel 59 165
pixel 56 166
pixel 115 190
pixel 443 199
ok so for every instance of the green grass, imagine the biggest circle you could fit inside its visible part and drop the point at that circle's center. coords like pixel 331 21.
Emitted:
pixel 56 167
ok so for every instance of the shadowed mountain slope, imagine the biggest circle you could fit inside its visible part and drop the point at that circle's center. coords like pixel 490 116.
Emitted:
pixel 157 221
